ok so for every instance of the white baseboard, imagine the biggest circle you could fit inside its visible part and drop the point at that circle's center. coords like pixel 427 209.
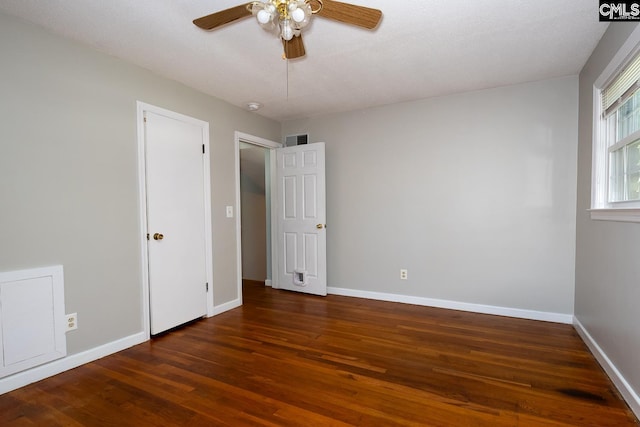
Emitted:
pixel 55 367
pixel 58 366
pixel 454 305
pixel 628 393
pixel 218 309
pixel 267 282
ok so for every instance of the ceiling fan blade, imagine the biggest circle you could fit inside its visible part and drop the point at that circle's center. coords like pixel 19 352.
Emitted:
pixel 223 17
pixel 361 16
pixel 293 48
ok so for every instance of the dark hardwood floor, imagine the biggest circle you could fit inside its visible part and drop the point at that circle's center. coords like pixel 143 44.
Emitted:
pixel 292 359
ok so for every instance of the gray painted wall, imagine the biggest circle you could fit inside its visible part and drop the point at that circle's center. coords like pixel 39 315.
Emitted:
pixel 474 194
pixel 607 267
pixel 68 173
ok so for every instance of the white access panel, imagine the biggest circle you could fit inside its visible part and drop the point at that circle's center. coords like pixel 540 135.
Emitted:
pixel 32 318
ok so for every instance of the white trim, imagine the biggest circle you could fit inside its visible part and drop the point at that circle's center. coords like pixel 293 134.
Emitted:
pixel 141 108
pixel 454 305
pixel 227 306
pixel 267 282
pixel 27 377
pixel 622 215
pixel 261 142
pixel 628 393
pixel 274 225
pixel 142 194
pixel 208 227
pixel 598 163
pixel 238 217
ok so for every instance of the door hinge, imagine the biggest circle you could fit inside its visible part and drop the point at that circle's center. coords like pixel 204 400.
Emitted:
pixel 207 286
pixel 147 236
pixel 145 120
pixel 202 148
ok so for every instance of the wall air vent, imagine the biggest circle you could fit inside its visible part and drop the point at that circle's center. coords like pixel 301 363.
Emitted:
pixel 293 140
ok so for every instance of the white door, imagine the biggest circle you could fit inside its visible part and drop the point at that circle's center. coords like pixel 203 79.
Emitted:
pixel 301 219
pixel 175 221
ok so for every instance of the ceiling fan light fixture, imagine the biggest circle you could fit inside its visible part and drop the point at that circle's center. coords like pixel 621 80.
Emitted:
pixel 286 18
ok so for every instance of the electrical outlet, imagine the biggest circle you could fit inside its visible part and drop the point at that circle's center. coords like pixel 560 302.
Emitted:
pixel 404 274
pixel 72 321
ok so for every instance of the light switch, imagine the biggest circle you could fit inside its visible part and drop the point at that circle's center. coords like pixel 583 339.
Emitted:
pixel 229 211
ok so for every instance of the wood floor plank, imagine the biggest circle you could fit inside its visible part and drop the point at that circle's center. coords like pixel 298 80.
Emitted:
pixel 286 359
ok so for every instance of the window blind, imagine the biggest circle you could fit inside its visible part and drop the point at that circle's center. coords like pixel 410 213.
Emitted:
pixel 622 87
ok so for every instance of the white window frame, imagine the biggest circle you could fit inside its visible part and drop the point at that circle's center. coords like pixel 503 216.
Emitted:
pixel 601 208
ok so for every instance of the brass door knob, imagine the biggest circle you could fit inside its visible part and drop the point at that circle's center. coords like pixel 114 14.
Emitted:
pixel 158 236
pixel 321 226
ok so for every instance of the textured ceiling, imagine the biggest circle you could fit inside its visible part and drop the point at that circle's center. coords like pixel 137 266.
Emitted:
pixel 420 49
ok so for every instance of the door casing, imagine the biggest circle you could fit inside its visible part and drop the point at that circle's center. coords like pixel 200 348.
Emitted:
pixel 142 202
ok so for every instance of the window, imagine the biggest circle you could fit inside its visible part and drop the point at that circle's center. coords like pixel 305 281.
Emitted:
pixel 616 145
pixel 621 106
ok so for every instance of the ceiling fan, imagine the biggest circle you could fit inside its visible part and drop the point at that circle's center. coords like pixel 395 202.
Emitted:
pixel 286 18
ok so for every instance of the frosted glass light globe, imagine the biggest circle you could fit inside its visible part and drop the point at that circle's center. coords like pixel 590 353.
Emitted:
pixel 298 15
pixel 263 17
pixel 287 31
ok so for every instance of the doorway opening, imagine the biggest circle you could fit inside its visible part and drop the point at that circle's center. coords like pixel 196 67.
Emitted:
pixel 256 255
pixel 255 213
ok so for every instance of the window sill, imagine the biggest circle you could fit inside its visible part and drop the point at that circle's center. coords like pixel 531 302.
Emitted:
pixel 620 214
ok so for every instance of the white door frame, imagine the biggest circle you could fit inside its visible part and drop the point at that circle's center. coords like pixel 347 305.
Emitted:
pixel 261 142
pixel 142 203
